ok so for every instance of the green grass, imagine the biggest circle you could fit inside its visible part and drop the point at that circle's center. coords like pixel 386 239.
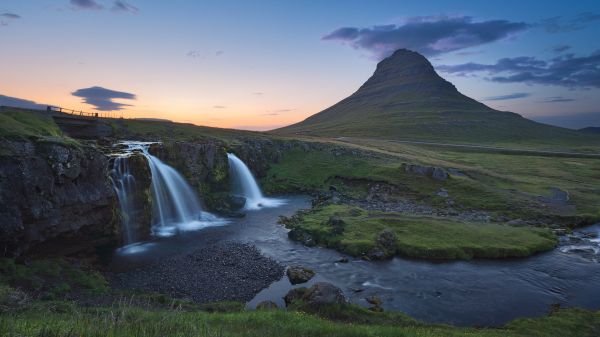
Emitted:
pixel 64 319
pixel 19 124
pixel 419 236
pixel 27 124
pixel 502 184
pixel 51 278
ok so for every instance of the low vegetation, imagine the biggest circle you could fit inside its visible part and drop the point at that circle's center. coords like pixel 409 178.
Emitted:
pixel 506 186
pixel 358 232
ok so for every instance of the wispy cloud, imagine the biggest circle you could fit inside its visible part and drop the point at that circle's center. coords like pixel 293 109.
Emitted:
pixel 560 24
pixel 557 99
pixel 11 16
pixel 8 17
pixel 122 6
pixel 103 99
pixel 86 4
pixel 203 54
pixel 515 95
pixel 560 48
pixel 219 107
pixel 430 35
pixel 566 71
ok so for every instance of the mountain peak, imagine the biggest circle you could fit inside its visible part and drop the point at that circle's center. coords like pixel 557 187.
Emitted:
pixel 406 99
pixel 407 71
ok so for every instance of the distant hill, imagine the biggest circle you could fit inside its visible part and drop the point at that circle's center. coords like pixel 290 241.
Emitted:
pixel 591 130
pixel 405 99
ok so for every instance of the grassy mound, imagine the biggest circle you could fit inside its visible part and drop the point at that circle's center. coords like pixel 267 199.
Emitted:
pixel 419 236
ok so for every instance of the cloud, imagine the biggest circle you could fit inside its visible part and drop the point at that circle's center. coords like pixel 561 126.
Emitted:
pixel 11 16
pixel 559 24
pixel 508 96
pixel 271 114
pixel 103 99
pixel 199 54
pixel 258 93
pixel 566 71
pixel 557 99
pixel 430 35
pixel 86 4
pixel 8 16
pixel 20 103
pixel 560 48
pixel 122 6
pixel 219 107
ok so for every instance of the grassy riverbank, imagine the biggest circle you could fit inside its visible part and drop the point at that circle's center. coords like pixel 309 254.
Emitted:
pixel 356 232
pixel 58 319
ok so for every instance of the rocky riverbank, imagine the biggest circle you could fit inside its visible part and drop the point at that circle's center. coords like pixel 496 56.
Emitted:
pixel 226 271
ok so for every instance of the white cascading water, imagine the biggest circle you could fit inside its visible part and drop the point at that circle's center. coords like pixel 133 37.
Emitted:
pixel 176 207
pixel 124 185
pixel 246 185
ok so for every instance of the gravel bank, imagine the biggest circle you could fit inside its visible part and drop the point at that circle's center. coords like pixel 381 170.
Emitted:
pixel 226 271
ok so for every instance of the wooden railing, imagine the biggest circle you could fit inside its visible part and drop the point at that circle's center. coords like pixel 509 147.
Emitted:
pixel 82 113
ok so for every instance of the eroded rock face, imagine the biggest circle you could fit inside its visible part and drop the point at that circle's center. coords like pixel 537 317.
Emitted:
pixel 54 193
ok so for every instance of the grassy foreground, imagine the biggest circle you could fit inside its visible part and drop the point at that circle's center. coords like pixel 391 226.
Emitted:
pixel 60 319
pixel 26 311
pixel 355 232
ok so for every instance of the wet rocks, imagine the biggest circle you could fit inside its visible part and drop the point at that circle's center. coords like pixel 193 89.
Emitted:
pixel 298 275
pixel 321 293
pixel 226 271
pixel 324 293
pixel 302 236
pixel 293 295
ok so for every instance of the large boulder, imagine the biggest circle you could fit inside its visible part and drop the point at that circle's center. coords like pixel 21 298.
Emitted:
pixel 298 275
pixel 321 293
pixel 293 295
pixel 324 293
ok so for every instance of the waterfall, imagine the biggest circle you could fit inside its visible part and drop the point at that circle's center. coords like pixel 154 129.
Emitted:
pixel 246 185
pixel 124 185
pixel 175 205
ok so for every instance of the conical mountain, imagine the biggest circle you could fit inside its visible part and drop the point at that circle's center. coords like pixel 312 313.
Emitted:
pixel 405 99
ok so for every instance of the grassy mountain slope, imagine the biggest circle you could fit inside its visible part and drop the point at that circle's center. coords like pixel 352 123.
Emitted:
pixel 406 99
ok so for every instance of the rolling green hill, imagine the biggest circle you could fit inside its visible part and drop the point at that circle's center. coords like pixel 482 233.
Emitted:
pixel 405 99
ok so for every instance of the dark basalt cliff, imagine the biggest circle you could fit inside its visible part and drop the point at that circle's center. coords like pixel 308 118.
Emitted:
pixel 54 197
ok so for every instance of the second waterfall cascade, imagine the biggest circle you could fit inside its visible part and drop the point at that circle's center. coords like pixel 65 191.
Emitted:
pixel 245 184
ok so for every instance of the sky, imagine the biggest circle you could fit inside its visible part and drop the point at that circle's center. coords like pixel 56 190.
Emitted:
pixel 259 65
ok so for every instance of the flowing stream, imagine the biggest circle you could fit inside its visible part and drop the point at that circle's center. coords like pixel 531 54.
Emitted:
pixel 465 293
pixel 244 183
